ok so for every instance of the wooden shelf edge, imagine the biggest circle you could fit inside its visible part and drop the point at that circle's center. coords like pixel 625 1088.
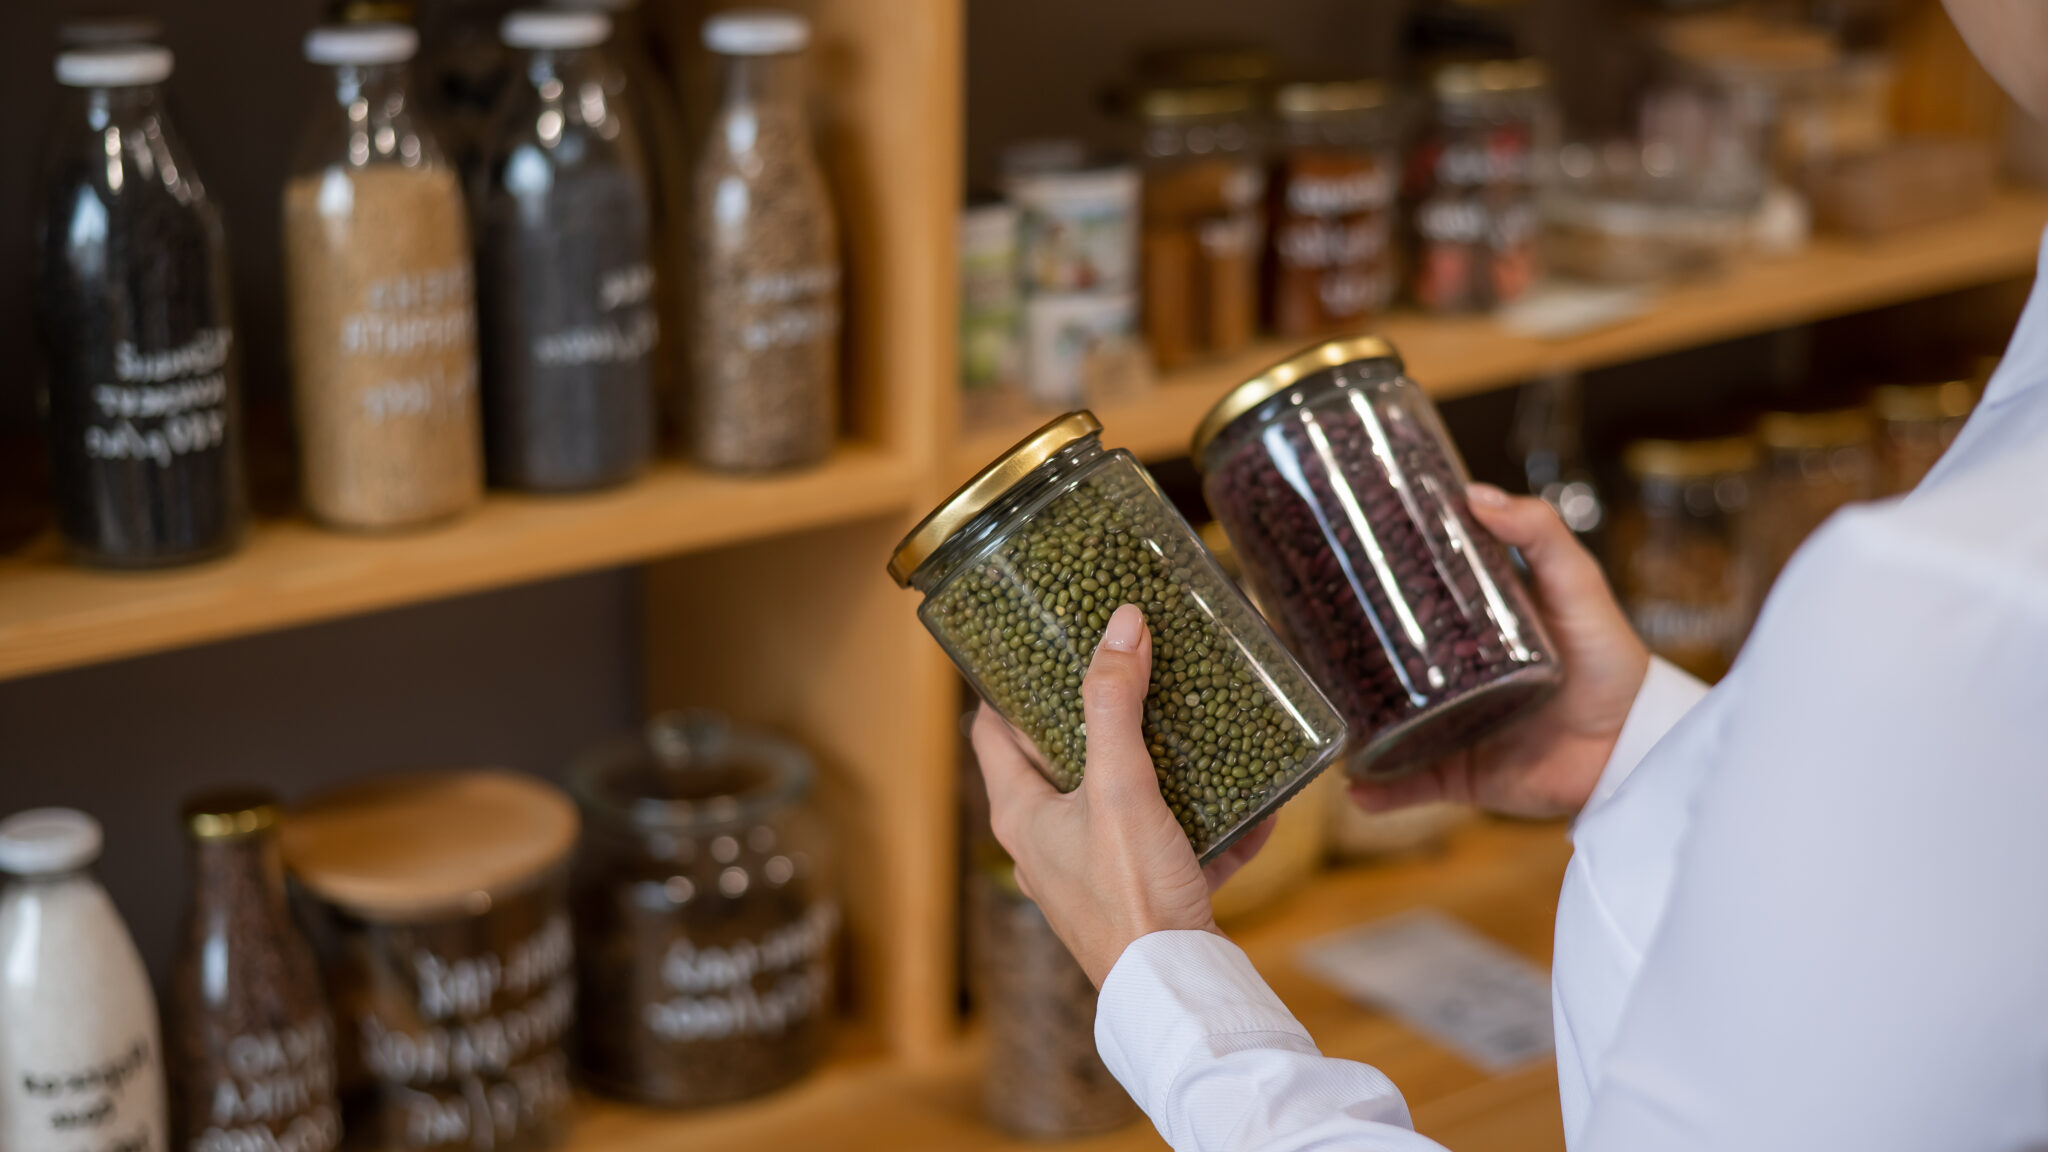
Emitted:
pixel 1460 356
pixel 54 615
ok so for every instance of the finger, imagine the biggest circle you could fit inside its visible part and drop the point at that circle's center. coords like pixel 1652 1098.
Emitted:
pixel 1113 706
pixel 1014 786
pixel 1222 868
pixel 1565 572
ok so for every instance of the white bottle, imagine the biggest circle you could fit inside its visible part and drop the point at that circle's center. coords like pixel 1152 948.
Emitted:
pixel 81 1062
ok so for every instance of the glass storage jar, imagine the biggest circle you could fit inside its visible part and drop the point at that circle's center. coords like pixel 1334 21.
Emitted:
pixel 439 906
pixel 1345 499
pixel 1204 190
pixel 1330 251
pixel 1044 1078
pixel 1814 462
pixel 1020 571
pixel 705 919
pixel 1683 548
pixel 1471 185
pixel 1915 424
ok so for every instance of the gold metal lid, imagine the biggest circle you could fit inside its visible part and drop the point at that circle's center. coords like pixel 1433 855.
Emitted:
pixel 1466 79
pixel 1208 64
pixel 1284 375
pixel 230 813
pixel 1196 101
pixel 1833 428
pixel 1315 98
pixel 1923 403
pixel 1689 459
pixel 987 486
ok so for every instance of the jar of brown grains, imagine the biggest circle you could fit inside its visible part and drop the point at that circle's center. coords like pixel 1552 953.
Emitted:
pixel 1683 548
pixel 1330 253
pixel 1915 424
pixel 1814 462
pixel 1203 204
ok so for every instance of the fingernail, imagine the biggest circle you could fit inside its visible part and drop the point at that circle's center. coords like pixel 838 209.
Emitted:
pixel 1486 494
pixel 1126 627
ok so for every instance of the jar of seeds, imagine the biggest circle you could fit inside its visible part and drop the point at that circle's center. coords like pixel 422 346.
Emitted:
pixel 766 246
pixel 1814 463
pixel 383 328
pixel 1684 548
pixel 1205 188
pixel 706 922
pixel 1020 570
pixel 1471 185
pixel 1345 499
pixel 1915 424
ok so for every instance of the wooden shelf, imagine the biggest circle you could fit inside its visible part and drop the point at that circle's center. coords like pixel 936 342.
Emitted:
pixel 1460 356
pixel 1500 878
pixel 55 615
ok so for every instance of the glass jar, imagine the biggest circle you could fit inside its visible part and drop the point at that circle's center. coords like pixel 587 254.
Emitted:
pixel 1044 1079
pixel 1915 424
pixel 565 261
pixel 1814 462
pixel 767 296
pixel 383 326
pixel 1200 239
pixel 1472 184
pixel 1683 548
pixel 705 916
pixel 254 1046
pixel 1330 257
pixel 1345 499
pixel 140 399
pixel 440 903
pixel 1020 571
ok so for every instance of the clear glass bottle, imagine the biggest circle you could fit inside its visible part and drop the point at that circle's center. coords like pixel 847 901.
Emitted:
pixel 706 920
pixel 254 1045
pixel 766 246
pixel 1345 499
pixel 1203 223
pixel 1814 462
pixel 1471 186
pixel 379 292
pixel 141 396
pixel 1020 571
pixel 1915 424
pixel 81 1064
pixel 1546 438
pixel 1683 549
pixel 566 281
pixel 1330 256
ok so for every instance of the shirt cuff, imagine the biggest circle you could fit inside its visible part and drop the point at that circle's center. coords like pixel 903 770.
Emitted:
pixel 1667 694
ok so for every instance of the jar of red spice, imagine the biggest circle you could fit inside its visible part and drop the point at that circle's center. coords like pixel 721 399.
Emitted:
pixel 1330 252
pixel 1345 499
pixel 1204 193
pixel 1471 185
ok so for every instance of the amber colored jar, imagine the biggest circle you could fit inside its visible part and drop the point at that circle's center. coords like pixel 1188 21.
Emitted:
pixel 1682 548
pixel 1814 462
pixel 1330 249
pixel 1915 424
pixel 1204 192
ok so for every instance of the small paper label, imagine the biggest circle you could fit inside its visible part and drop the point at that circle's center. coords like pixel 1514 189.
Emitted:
pixel 1446 981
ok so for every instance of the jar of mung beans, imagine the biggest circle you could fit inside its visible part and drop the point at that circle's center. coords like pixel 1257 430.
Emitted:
pixel 1020 571
pixel 1346 502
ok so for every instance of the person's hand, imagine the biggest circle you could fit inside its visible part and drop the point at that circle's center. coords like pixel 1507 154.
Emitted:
pixel 1547 763
pixel 1106 863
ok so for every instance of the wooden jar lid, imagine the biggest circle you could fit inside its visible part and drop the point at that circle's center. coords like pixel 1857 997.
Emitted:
pixel 429 844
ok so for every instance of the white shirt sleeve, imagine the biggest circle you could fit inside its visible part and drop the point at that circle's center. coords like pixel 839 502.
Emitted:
pixel 1667 694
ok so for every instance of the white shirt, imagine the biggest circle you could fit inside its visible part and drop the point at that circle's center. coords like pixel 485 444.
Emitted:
pixel 1806 910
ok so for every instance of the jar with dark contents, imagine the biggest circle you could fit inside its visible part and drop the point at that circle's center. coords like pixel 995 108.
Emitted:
pixel 1345 499
pixel 1683 549
pixel 1814 462
pixel 439 903
pixel 1020 571
pixel 1044 1078
pixel 131 285
pixel 1471 186
pixel 1204 193
pixel 705 919
pixel 254 1046
pixel 1915 424
pixel 1330 253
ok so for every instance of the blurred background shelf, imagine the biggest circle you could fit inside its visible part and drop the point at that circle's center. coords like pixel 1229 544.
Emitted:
pixel 1451 357
pixel 1500 878
pixel 56 615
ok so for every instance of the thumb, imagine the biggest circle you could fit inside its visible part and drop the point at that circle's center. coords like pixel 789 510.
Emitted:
pixel 1113 705
pixel 1566 574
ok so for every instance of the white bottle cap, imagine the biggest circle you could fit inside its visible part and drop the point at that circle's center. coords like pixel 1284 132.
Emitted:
pixel 42 841
pixel 555 29
pixel 125 66
pixel 756 32
pixel 361 44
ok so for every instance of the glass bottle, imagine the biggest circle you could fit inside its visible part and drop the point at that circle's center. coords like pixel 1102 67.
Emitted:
pixel 1471 185
pixel 1684 549
pixel 383 327
pixel 766 246
pixel 1814 463
pixel 81 1065
pixel 1205 188
pixel 1915 424
pixel 1330 253
pixel 141 397
pixel 255 1045
pixel 565 291
pixel 1546 438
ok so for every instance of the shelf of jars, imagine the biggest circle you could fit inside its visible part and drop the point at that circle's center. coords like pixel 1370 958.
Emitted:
pixel 1500 878
pixel 1459 356
pixel 289 572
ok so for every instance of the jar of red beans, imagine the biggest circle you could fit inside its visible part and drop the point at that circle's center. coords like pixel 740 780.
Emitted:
pixel 1330 256
pixel 1471 185
pixel 1345 499
pixel 1203 214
